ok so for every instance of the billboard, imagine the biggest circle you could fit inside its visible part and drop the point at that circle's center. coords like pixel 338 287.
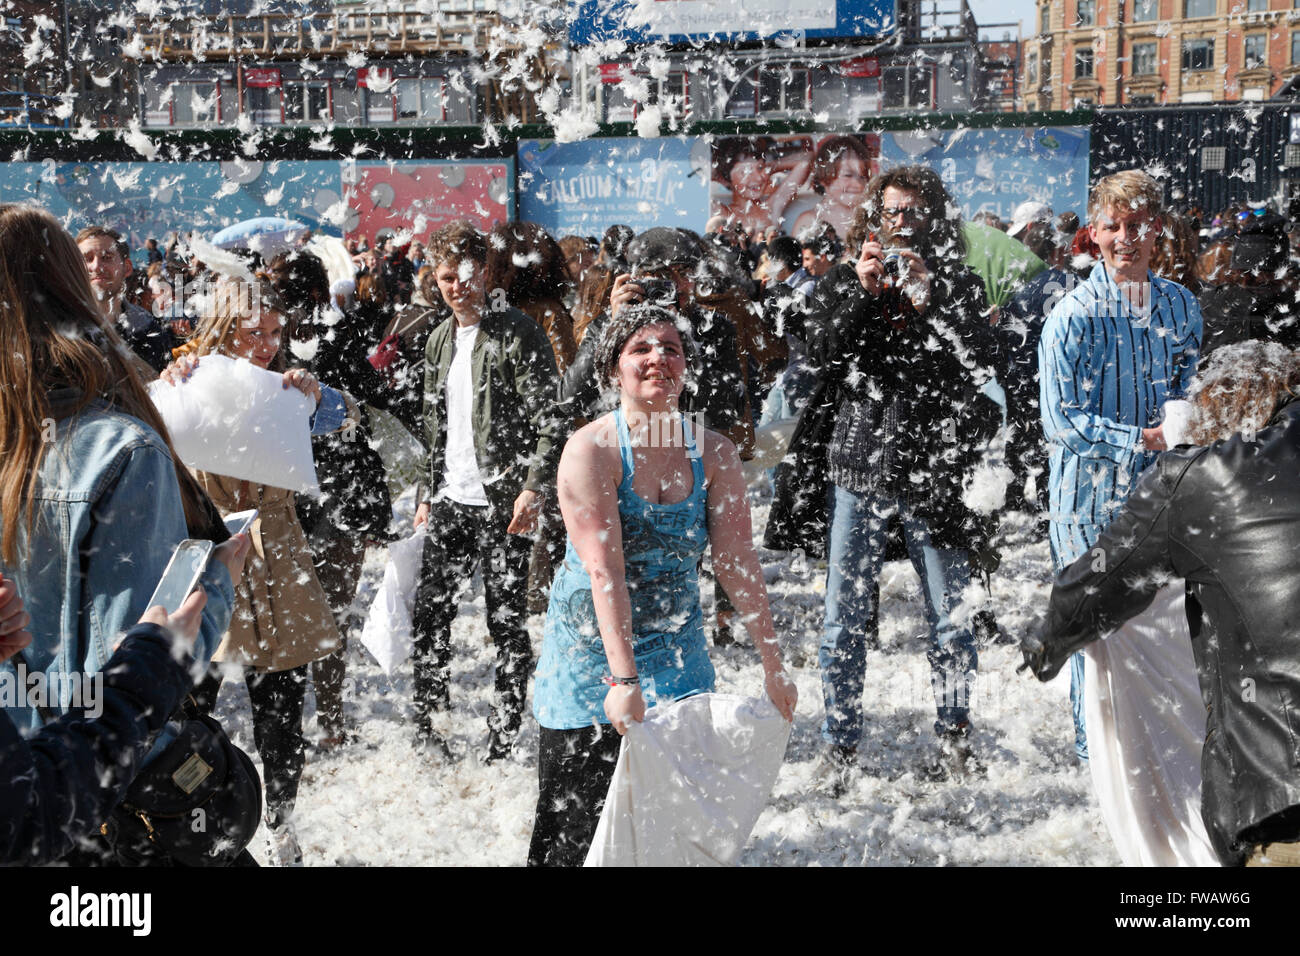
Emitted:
pixel 791 182
pixel 587 186
pixel 149 200
pixel 995 170
pixel 684 21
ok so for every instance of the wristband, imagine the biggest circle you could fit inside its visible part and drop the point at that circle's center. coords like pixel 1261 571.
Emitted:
pixel 633 681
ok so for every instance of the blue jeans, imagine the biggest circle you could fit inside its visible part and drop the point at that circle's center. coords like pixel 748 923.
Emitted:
pixel 859 523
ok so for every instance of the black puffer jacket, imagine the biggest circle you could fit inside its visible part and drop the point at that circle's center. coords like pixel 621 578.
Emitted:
pixel 1226 519
pixel 898 410
pixel 354 490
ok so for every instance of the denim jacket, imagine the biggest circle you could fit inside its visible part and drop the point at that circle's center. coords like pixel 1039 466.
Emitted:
pixel 108 515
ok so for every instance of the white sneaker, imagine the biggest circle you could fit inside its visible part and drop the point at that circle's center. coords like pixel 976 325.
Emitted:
pixel 283 845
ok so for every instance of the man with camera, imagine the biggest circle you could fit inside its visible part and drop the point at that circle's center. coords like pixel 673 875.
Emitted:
pixel 900 345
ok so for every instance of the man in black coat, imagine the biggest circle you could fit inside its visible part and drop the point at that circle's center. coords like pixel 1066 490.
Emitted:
pixel 901 344
pixel 1226 518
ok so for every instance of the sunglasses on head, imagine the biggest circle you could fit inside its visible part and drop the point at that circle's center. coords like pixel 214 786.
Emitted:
pixel 1247 213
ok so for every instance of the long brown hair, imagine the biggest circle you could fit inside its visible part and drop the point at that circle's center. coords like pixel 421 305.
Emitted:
pixel 52 336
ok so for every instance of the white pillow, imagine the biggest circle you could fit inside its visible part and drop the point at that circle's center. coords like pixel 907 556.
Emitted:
pixel 233 418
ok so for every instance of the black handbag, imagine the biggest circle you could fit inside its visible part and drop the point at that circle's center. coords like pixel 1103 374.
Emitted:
pixel 198 803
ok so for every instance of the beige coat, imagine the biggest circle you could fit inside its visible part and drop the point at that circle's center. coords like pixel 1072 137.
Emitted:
pixel 282 618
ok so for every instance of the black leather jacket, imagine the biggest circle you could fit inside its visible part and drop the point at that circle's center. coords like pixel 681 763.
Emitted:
pixel 1226 519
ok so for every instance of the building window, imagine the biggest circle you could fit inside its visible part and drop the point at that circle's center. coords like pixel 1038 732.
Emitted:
pixel 1045 18
pixel 1085 12
pixel 1199 8
pixel 1082 63
pixel 306 102
pixel 1144 10
pixel 1256 6
pixel 1031 69
pixel 1198 54
pixel 1144 59
pixel 1255 50
pixel 1295 48
pixel 1143 100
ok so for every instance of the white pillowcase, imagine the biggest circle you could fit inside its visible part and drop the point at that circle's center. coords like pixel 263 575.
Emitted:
pixel 233 418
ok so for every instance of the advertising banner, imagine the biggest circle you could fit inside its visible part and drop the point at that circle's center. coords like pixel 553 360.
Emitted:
pixel 150 200
pixel 791 182
pixel 683 21
pixel 588 186
pixel 995 170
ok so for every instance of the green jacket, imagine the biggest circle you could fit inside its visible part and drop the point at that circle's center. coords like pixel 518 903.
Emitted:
pixel 517 428
pixel 1002 261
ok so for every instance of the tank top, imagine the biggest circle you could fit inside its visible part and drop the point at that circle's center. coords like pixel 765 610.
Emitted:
pixel 662 547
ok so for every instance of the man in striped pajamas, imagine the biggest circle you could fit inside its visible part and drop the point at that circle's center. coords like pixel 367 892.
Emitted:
pixel 1113 350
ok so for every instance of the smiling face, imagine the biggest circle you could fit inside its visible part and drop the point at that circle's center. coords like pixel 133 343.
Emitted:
pixel 107 268
pixel 1127 239
pixel 652 365
pixel 850 182
pixel 257 339
pixel 461 285
pixel 749 180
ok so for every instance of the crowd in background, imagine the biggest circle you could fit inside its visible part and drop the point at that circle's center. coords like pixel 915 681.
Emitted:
pixel 775 318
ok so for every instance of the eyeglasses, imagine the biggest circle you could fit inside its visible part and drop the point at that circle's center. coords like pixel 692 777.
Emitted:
pixel 915 213
pixel 1247 213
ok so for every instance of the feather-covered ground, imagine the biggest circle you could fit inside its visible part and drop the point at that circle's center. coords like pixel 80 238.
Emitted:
pixel 379 802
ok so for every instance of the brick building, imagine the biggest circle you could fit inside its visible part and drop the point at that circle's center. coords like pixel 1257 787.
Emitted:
pixel 1159 52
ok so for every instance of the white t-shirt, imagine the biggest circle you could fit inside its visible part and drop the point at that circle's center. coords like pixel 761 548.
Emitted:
pixel 461 481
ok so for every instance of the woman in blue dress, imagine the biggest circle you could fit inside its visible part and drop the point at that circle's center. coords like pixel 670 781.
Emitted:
pixel 643 491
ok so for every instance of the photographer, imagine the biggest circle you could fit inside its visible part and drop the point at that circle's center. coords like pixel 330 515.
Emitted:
pixel 896 421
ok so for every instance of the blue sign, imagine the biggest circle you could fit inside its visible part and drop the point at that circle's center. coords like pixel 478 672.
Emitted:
pixel 995 170
pixel 585 187
pixel 683 21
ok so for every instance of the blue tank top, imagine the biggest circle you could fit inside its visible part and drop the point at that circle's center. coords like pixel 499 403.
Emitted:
pixel 662 546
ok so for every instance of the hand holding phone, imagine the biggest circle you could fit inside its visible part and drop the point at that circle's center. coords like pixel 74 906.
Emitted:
pixel 181 575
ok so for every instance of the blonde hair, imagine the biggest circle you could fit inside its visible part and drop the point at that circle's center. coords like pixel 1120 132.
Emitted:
pixel 1130 189
pixel 231 301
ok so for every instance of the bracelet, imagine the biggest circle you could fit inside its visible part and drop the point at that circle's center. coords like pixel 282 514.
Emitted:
pixel 633 681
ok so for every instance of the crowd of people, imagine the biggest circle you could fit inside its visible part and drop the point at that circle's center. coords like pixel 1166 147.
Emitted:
pixel 585 406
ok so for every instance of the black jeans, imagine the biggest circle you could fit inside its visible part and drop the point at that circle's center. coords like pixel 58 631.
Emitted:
pixel 276 698
pixel 574 768
pixel 460 538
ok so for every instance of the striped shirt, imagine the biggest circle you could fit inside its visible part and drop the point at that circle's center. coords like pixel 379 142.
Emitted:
pixel 1105 372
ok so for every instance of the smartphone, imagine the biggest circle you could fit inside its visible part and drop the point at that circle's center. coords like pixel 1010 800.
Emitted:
pixel 182 574
pixel 241 521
